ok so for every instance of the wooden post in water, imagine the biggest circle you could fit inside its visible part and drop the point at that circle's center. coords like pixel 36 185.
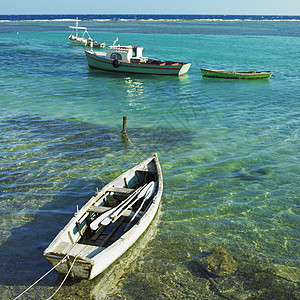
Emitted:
pixel 124 125
pixel 124 133
pixel 125 137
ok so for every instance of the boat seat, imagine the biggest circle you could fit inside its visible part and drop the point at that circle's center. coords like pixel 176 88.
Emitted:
pixel 98 209
pixel 82 250
pixel 119 190
pixel 102 209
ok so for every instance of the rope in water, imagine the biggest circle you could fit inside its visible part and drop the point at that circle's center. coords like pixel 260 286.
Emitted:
pixel 39 279
pixel 125 136
pixel 61 284
pixel 53 268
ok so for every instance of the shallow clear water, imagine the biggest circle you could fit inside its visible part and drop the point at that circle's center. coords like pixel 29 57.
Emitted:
pixel 229 151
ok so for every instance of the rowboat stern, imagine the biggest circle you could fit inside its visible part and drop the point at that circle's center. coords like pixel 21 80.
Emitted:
pixel 78 267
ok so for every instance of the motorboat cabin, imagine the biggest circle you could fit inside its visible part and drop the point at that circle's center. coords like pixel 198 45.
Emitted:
pixel 127 54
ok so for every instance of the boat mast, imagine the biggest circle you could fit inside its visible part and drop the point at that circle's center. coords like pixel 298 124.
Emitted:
pixel 76 26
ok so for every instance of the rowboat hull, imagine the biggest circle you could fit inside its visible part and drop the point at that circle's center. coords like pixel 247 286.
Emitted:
pixel 235 74
pixel 99 62
pixel 77 41
pixel 74 250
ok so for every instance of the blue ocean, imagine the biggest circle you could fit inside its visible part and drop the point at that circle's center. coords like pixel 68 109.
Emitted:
pixel 229 152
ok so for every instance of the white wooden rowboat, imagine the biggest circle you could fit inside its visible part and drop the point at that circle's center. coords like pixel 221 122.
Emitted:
pixel 109 223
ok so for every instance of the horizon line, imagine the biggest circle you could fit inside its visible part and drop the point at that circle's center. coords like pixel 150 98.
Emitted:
pixel 121 14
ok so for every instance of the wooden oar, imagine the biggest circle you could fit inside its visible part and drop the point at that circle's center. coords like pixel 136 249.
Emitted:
pixel 147 196
pixel 125 203
pixel 112 217
pixel 146 192
pixel 125 207
pixel 95 224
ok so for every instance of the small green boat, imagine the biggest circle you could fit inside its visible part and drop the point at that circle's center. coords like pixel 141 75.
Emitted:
pixel 236 74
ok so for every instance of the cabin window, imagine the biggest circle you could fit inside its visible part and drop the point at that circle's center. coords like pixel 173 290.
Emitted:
pixel 115 56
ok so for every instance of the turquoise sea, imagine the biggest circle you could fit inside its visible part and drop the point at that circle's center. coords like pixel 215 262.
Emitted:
pixel 229 151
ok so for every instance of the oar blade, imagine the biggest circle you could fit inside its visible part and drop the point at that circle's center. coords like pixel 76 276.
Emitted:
pixel 150 189
pixel 98 221
pixel 106 221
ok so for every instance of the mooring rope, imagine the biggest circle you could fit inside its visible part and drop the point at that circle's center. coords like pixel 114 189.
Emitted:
pixel 125 136
pixel 61 284
pixel 63 260
pixel 60 262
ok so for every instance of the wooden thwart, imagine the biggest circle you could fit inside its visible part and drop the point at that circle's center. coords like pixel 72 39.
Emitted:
pixel 102 209
pixel 98 209
pixel 77 249
pixel 120 190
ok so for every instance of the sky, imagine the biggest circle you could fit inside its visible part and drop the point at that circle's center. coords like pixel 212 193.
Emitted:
pixel 224 7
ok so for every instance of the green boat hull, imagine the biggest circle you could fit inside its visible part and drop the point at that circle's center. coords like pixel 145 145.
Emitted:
pixel 235 74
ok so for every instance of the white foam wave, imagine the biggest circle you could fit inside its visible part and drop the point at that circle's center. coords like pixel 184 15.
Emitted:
pixel 157 20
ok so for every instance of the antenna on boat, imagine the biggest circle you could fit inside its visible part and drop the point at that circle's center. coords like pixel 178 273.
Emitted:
pixel 115 41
